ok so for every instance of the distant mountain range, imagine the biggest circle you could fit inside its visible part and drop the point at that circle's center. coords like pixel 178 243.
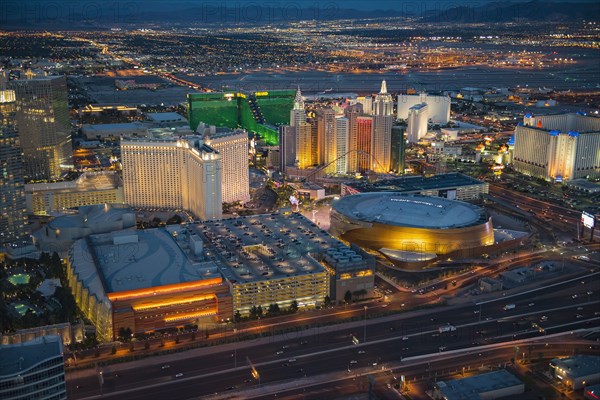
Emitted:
pixel 535 10
pixel 30 14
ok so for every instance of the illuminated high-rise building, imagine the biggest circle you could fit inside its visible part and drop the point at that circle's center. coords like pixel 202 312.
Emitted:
pixel 341 145
pixel 325 136
pixel 558 147
pixel 233 147
pixel 173 174
pixel 44 127
pixel 304 145
pixel 13 219
pixel 364 138
pixel 383 109
pixel 418 117
pixel 297 114
pixel 367 103
pixel 352 113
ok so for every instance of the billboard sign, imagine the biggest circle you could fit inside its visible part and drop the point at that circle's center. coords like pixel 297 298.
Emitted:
pixel 587 219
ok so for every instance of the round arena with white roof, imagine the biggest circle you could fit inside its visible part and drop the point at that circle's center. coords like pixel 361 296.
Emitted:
pixel 395 223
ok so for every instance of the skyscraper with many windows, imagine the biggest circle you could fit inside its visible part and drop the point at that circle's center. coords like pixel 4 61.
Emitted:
pixel 352 113
pixel 233 147
pixel 383 109
pixel 13 218
pixel 173 174
pixel 341 145
pixel 364 137
pixel 44 127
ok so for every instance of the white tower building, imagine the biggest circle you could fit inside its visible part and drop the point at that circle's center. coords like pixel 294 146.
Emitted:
pixel 383 118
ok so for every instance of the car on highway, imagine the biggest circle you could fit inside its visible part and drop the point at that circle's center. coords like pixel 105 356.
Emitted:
pixel 291 360
pixel 179 375
pixel 353 362
pixel 280 352
pixel 531 304
pixel 543 318
pixel 165 366
pixel 404 337
pixel 361 352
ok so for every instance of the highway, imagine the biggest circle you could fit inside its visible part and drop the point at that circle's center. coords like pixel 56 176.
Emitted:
pixel 324 351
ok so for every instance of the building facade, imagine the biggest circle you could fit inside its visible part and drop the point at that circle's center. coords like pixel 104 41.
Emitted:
pixel 342 145
pixel 44 127
pixel 233 147
pixel 364 138
pixel 418 116
pixel 174 174
pixel 558 147
pixel 398 157
pixel 89 189
pixel 146 280
pixel 383 119
pixel 13 219
pixel 439 106
pixel 287 147
pixel 33 370
pixel 352 113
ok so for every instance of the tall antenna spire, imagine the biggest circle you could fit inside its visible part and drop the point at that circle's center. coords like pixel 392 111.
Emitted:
pixel 383 87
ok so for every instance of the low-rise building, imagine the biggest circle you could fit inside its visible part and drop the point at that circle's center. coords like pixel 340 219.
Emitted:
pixel 146 280
pixel 577 371
pixel 89 189
pixel 453 186
pixel 488 386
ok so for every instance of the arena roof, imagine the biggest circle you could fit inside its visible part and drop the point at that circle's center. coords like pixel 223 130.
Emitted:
pixel 417 183
pixel 394 208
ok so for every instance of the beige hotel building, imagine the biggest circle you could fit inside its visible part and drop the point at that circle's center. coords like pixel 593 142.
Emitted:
pixel 173 174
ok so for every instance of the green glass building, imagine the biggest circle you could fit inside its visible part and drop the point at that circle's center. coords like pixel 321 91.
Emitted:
pixel 258 112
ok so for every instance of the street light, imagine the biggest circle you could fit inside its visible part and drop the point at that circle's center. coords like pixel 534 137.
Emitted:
pixel 365 327
pixel 235 348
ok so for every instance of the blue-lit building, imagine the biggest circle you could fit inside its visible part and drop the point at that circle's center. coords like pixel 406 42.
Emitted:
pixel 558 147
pixel 33 370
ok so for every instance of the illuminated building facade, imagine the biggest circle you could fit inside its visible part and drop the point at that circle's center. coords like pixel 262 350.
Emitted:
pixel 364 136
pixel 383 119
pixel 146 280
pixel 342 145
pixel 352 113
pixel 276 259
pixel 44 127
pixel 305 157
pixel 439 106
pixel 395 222
pixel 174 174
pixel 558 147
pixel 233 148
pixel 418 116
pixel 260 112
pixel 398 157
pixel 326 153
pixel 13 219
pixel 367 104
pixel 33 370
pixel 98 187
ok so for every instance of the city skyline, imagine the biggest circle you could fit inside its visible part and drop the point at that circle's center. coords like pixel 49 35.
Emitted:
pixel 300 200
